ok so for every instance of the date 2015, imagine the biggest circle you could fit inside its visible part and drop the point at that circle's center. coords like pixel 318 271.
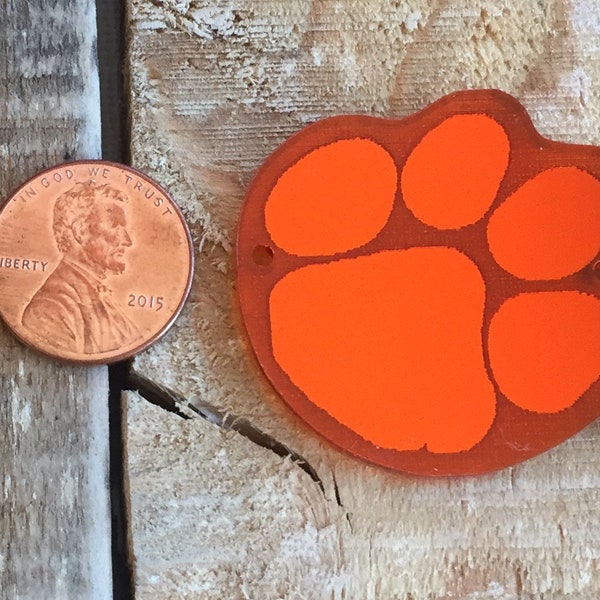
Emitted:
pixel 141 301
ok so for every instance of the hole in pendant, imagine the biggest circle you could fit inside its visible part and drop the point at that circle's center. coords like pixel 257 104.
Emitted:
pixel 262 255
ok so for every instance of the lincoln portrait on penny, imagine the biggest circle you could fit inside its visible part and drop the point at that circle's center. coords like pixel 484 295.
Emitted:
pixel 74 309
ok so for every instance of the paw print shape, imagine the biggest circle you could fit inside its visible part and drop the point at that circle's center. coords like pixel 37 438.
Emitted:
pixel 425 292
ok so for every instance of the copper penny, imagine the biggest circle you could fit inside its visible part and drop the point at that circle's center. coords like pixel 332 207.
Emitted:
pixel 96 262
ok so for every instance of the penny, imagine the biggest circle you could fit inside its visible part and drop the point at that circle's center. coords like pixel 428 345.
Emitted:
pixel 96 262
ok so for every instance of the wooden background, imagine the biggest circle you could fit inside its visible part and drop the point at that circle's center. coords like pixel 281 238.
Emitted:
pixel 241 500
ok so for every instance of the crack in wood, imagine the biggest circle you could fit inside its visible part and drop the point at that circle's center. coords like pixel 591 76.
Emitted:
pixel 339 502
pixel 171 401
pixel 115 141
pixel 122 545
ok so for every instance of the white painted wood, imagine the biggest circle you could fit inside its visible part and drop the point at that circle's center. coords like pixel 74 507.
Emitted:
pixel 54 511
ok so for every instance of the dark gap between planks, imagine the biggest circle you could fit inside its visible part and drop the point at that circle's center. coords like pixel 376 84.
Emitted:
pixel 110 15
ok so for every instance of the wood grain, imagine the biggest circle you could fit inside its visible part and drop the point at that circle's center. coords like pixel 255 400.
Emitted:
pixel 54 516
pixel 214 90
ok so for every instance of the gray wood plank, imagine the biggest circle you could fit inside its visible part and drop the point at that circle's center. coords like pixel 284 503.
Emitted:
pixel 54 500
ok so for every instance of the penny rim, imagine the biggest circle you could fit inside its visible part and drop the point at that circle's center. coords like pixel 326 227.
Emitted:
pixel 131 182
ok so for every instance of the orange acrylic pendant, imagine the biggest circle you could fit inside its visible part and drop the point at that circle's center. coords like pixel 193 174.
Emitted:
pixel 425 292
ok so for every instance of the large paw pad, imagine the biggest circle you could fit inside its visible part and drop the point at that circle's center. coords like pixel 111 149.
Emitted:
pixel 423 292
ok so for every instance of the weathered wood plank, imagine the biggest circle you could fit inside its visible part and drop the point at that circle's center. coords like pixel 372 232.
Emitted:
pixel 214 90
pixel 217 516
pixel 54 514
